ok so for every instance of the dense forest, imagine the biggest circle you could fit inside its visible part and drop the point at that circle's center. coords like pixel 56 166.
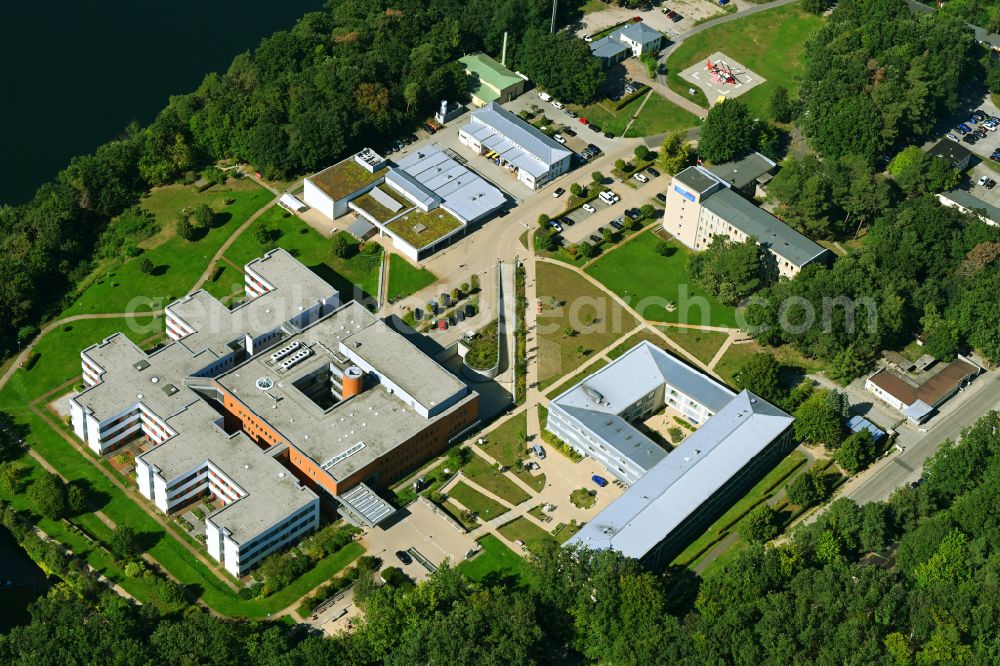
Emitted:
pixel 914 580
pixel 357 73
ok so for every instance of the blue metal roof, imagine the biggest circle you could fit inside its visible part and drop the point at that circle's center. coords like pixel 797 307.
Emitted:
pixel 859 423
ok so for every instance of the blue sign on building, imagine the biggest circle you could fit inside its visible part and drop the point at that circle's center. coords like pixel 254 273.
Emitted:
pixel 684 193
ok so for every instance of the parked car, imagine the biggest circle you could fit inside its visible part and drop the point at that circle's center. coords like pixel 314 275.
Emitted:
pixel 633 213
pixel 559 138
pixel 403 557
pixel 972 120
pixel 676 17
pixel 980 114
pixel 652 172
pixel 588 38
pixel 642 178
pixel 990 184
pixel 586 154
pixel 963 128
pixel 443 325
pixel 566 221
pixel 982 181
pixel 558 192
pixel 594 238
pixel 555 225
pixel 569 132
pixel 981 131
pixel 556 103
pixel 596 128
pixel 995 157
pixel 661 197
pixel 570 112
pixel 953 137
pixel 594 149
pixel 609 135
pixel 587 207
pixel 599 480
pixel 460 315
pixel 583 121
pixel 970 139
pixel 539 451
pixel 617 225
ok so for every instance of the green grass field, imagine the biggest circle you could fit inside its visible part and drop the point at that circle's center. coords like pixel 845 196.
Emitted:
pixel 769 43
pixel 496 560
pixel 703 345
pixel 506 443
pixel 658 115
pixel 406 279
pixel 313 250
pixel 177 263
pixel 524 530
pixel 473 500
pixel 493 480
pixel 581 302
pixel 648 281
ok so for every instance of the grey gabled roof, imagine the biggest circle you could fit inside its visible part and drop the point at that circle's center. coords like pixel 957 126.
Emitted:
pixel 412 187
pixel 973 203
pixel 638 32
pixel 769 231
pixel 607 47
pixel 620 435
pixel 655 505
pixel 519 132
pixel 464 193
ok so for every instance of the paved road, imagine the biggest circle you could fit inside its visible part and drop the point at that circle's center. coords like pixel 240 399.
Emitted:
pixel 899 469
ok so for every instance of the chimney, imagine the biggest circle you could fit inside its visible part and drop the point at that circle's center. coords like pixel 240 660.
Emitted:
pixel 352 383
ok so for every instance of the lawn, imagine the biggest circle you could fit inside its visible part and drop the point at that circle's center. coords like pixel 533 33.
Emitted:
pixel 657 116
pixel 583 498
pixel 633 340
pixel 493 480
pixel 526 531
pixel 594 318
pixel 506 444
pixel 648 281
pixel 754 496
pixel 703 345
pixel 737 355
pixel 495 560
pixel 405 279
pixel 473 500
pixel 770 43
pixel 566 531
pixel 358 269
pixel 177 263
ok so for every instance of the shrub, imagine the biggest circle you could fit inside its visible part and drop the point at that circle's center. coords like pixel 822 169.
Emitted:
pixel 146 266
pixel 135 568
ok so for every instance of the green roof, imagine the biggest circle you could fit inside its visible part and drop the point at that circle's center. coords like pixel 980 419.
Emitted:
pixel 489 71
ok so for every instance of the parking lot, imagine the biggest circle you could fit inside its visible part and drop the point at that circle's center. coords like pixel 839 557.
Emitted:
pixel 584 134
pixel 985 146
pixel 691 12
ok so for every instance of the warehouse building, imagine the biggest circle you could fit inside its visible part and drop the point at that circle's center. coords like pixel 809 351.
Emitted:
pixel 918 400
pixel 490 81
pixel 315 402
pixel 700 205
pixel 673 496
pixel 534 158
pixel 424 203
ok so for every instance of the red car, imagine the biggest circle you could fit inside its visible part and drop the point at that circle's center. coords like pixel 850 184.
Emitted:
pixel 442 325
pixel 636 19
pixel 584 121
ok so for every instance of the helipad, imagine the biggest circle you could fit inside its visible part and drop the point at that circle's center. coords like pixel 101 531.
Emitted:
pixel 729 78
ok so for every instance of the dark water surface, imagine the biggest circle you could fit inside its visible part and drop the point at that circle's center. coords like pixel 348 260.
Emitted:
pixel 73 74
pixel 21 581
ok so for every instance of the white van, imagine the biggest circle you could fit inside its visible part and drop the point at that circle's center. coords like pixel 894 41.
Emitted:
pixel 544 96
pixel 608 197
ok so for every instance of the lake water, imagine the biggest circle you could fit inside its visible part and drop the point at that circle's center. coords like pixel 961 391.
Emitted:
pixel 21 581
pixel 74 74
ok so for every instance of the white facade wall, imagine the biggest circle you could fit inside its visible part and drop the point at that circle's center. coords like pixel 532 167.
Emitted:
pixel 568 429
pixel 884 396
pixel 318 199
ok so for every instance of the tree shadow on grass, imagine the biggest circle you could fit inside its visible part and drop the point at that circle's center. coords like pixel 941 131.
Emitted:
pixel 160 270
pixel 504 579
pixel 148 540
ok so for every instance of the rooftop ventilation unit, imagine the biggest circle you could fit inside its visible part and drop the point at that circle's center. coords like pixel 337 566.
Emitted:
pixel 265 383
pixel 285 351
pixel 296 358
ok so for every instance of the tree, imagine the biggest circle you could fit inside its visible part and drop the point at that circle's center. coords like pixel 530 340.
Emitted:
pixel 544 242
pixel 857 452
pixel 941 335
pixel 642 153
pixel 576 189
pixel 676 153
pixel 585 249
pixel 728 132
pixel 806 489
pixel 729 270
pixel 760 525
pixel 124 542
pixel 11 476
pixel 184 229
pixel 146 266
pixel 647 210
pixel 596 177
pixel 561 64
pixel 47 495
pixel 76 499
pixel 917 172
pixel 818 420
pixel 664 249
pixel 620 165
pixel 340 246
pixel 543 220
pixel 781 107
pixel 204 216
pixel 761 374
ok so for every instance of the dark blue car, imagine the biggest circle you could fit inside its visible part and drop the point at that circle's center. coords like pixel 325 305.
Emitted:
pixel 963 128
pixel 599 480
